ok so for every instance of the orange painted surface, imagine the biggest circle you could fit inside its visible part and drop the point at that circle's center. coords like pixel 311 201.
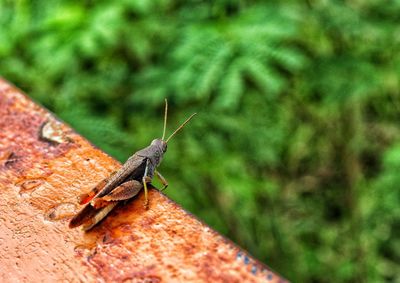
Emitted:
pixel 45 166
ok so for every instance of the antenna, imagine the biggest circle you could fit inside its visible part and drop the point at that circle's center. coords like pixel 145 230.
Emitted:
pixel 180 127
pixel 165 119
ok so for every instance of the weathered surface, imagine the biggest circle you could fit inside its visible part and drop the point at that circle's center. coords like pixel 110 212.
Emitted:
pixel 44 166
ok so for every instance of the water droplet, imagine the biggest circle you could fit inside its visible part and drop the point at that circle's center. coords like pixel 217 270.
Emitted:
pixel 29 186
pixel 254 269
pixel 52 131
pixel 246 260
pixel 61 211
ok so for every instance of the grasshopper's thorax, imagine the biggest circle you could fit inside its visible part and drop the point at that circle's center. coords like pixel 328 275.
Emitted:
pixel 160 147
pixel 154 152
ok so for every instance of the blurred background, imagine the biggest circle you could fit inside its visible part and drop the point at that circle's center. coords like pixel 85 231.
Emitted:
pixel 295 152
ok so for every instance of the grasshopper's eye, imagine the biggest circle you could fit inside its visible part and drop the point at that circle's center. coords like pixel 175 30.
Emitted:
pixel 164 148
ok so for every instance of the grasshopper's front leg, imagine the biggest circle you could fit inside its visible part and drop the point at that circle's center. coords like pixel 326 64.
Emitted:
pixel 146 179
pixel 162 180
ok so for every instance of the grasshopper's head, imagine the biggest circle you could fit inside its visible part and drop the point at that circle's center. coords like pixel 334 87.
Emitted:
pixel 160 145
pixel 158 148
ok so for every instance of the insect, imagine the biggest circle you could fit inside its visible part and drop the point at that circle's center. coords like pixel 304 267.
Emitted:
pixel 135 174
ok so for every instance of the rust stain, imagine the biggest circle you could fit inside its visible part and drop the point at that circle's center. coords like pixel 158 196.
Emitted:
pixel 43 170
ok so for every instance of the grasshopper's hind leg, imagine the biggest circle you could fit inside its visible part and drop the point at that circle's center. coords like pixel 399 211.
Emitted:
pixel 99 207
pixel 87 197
pixel 100 215
pixel 124 191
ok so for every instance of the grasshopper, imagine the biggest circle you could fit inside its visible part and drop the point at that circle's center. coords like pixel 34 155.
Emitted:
pixel 135 174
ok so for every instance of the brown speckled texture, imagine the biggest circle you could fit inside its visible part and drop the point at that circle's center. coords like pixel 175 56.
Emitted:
pixel 40 181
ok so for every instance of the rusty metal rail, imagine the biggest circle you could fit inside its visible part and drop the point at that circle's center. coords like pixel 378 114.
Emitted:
pixel 44 165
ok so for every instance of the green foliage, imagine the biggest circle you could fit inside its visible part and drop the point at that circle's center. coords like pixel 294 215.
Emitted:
pixel 295 151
